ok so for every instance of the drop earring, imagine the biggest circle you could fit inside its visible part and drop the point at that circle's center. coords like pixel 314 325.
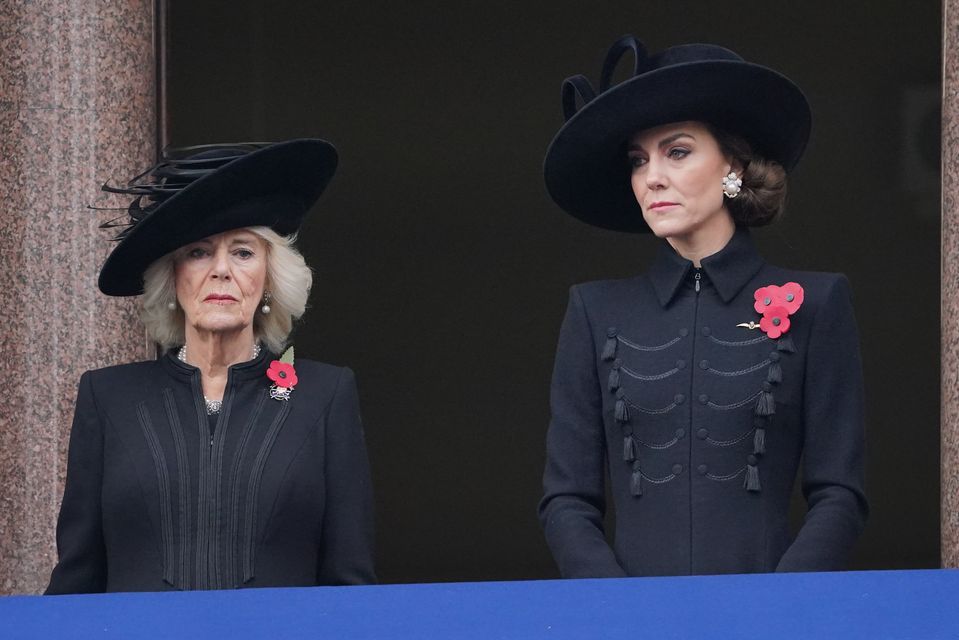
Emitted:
pixel 732 185
pixel 266 307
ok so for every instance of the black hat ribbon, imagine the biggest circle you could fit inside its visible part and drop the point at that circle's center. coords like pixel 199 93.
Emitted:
pixel 178 168
pixel 578 85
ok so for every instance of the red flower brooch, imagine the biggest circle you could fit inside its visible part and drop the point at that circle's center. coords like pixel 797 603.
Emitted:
pixel 283 375
pixel 776 304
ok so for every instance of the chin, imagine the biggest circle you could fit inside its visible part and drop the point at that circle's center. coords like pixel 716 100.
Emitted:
pixel 658 231
pixel 662 229
pixel 221 323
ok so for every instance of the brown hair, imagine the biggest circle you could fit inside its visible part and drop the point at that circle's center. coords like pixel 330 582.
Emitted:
pixel 763 193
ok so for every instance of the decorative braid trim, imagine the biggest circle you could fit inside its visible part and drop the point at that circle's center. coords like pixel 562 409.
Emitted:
pixel 253 489
pixel 730 476
pixel 183 480
pixel 163 482
pixel 741 343
pixel 735 405
pixel 648 377
pixel 741 372
pixel 641 347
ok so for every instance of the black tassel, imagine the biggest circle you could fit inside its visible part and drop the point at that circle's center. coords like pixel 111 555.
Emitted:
pixel 621 412
pixel 759 441
pixel 766 405
pixel 636 483
pixel 629 449
pixel 609 349
pixel 785 343
pixel 775 373
pixel 613 383
pixel 751 483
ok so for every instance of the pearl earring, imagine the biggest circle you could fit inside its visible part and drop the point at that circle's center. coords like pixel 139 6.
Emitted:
pixel 171 306
pixel 732 185
pixel 266 307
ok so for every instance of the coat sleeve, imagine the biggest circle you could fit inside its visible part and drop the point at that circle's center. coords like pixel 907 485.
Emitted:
pixel 82 565
pixel 833 449
pixel 346 553
pixel 574 500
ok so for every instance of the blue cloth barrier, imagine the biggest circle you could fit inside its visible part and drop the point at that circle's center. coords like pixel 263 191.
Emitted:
pixel 870 605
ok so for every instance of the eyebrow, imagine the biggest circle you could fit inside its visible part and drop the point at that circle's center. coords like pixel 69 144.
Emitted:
pixel 673 138
pixel 665 141
pixel 239 240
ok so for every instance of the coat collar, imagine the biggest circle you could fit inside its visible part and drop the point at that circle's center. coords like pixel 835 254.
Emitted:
pixel 248 370
pixel 728 270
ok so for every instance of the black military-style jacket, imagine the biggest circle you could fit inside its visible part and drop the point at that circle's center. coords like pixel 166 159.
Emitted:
pixel 160 496
pixel 702 422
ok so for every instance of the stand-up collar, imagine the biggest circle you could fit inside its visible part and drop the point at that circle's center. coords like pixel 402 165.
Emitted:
pixel 728 270
pixel 241 371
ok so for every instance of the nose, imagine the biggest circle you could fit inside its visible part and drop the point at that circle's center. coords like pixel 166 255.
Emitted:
pixel 221 265
pixel 655 177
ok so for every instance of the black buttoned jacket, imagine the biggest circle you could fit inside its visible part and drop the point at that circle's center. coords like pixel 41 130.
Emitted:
pixel 702 423
pixel 278 494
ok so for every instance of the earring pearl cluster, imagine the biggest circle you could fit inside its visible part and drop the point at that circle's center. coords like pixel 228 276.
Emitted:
pixel 732 185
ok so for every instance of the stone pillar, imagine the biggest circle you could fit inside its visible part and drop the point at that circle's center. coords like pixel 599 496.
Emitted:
pixel 949 345
pixel 77 107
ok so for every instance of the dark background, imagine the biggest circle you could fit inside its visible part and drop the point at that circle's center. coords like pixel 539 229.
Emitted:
pixel 442 267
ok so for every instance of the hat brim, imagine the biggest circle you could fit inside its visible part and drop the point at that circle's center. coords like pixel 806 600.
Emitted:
pixel 273 187
pixel 586 167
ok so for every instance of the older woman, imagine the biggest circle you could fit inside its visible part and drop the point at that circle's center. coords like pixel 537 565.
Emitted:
pixel 217 465
pixel 701 384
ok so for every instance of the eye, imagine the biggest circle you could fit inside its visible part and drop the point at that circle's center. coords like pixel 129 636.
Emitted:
pixel 243 254
pixel 196 253
pixel 637 161
pixel 677 153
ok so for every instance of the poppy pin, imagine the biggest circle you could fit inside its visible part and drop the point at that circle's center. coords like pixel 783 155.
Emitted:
pixel 776 304
pixel 283 375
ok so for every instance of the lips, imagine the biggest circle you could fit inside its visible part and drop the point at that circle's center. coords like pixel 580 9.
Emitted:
pixel 662 204
pixel 219 297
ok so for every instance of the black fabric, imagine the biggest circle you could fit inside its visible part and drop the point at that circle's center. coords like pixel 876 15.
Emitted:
pixel 575 86
pixel 702 424
pixel 615 54
pixel 586 169
pixel 273 186
pixel 279 495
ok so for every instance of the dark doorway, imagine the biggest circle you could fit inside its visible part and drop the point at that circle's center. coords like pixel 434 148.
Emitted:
pixel 442 268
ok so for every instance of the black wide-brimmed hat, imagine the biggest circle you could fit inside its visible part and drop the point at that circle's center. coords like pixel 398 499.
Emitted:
pixel 586 168
pixel 195 192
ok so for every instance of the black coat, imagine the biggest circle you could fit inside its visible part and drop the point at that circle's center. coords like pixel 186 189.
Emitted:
pixel 278 495
pixel 702 424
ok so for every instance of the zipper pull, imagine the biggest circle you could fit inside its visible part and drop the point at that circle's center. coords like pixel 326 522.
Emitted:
pixel 698 276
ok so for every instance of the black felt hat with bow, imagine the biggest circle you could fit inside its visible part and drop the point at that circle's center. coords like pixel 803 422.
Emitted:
pixel 195 192
pixel 586 168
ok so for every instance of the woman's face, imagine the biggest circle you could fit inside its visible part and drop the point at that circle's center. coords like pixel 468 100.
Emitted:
pixel 220 280
pixel 677 177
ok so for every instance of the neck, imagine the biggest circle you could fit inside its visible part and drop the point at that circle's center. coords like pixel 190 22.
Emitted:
pixel 213 352
pixel 704 242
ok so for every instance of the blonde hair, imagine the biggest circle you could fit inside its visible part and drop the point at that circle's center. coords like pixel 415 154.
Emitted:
pixel 288 281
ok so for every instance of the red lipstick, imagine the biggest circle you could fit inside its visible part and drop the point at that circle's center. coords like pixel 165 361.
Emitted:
pixel 662 204
pixel 213 297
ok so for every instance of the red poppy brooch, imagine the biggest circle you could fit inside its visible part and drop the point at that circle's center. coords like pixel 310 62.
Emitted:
pixel 283 375
pixel 775 304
